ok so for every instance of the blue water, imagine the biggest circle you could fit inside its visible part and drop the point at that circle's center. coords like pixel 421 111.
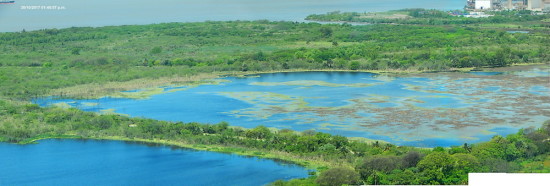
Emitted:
pixel 540 90
pixel 401 110
pixel 94 162
pixel 516 32
pixel 129 12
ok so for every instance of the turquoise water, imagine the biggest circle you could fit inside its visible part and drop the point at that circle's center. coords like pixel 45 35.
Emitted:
pixel 435 109
pixel 127 12
pixel 94 162
pixel 516 32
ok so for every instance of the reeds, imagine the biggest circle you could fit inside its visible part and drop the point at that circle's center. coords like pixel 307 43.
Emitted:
pixel 97 90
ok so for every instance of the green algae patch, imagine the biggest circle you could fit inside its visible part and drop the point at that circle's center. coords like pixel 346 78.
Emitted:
pixel 63 105
pixel 141 94
pixel 263 98
pixel 90 104
pixel 266 104
pixel 148 92
pixel 309 83
pixel 419 88
pixel 99 90
pixel 112 112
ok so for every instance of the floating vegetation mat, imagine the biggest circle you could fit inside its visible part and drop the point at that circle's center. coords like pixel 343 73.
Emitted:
pixel 432 109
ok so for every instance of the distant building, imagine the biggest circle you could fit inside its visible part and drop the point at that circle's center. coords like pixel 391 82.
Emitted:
pixel 483 4
pixel 470 4
pixel 535 5
pixel 539 5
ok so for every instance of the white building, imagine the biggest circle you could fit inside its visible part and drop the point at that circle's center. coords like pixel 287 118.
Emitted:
pixel 536 5
pixel 483 4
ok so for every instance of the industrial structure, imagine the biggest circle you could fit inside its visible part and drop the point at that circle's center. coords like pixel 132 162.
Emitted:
pixel 534 5
pixel 483 4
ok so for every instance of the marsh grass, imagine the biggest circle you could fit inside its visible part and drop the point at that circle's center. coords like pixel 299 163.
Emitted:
pixel 150 86
pixel 97 90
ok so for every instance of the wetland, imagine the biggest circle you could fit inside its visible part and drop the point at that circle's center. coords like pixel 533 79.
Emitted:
pixel 420 109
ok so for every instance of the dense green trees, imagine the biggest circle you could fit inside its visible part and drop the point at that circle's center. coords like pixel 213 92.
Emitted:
pixel 75 56
pixel 411 159
pixel 338 176
pixel 376 164
pixel 436 167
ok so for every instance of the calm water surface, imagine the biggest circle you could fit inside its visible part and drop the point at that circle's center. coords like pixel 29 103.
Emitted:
pixel 432 109
pixel 93 162
pixel 13 17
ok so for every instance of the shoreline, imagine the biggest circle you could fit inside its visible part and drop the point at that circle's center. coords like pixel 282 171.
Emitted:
pixel 240 151
pixel 150 86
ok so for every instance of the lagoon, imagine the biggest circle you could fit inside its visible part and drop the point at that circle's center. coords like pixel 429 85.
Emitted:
pixel 424 109
pixel 70 13
pixel 101 162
